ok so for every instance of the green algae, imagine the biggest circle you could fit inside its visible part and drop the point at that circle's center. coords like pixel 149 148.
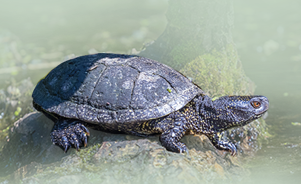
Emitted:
pixel 87 154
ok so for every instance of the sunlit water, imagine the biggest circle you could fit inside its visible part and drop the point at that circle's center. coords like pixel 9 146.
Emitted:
pixel 277 77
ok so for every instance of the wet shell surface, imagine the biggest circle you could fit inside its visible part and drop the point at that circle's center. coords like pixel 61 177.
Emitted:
pixel 113 88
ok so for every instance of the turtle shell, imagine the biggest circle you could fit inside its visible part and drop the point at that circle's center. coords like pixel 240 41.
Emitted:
pixel 106 88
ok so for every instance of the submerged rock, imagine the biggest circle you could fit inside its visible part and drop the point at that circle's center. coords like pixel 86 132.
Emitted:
pixel 30 157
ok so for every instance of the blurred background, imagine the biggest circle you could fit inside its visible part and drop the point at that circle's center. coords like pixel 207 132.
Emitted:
pixel 35 36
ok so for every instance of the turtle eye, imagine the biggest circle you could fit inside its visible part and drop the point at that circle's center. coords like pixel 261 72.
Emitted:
pixel 256 104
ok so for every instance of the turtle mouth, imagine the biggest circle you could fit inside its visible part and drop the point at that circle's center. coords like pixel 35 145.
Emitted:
pixel 264 115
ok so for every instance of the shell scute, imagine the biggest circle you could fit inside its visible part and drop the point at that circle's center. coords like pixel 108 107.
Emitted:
pixel 109 88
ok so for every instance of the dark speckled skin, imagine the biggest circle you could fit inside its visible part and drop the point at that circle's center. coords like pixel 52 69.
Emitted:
pixel 139 96
pixel 202 115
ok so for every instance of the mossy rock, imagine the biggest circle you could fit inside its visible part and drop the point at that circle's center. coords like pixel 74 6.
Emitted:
pixel 219 73
pixel 30 157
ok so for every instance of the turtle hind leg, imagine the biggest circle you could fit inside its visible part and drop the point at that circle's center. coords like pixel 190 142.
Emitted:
pixel 69 132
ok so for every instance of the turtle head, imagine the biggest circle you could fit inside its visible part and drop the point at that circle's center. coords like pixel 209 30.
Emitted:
pixel 232 111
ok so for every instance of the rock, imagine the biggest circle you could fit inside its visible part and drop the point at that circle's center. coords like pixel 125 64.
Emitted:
pixel 30 157
pixel 74 179
pixel 29 142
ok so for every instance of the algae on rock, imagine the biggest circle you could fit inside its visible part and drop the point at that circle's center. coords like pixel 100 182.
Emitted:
pixel 219 73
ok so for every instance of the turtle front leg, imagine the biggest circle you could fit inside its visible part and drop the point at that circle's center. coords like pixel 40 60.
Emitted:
pixel 68 132
pixel 222 143
pixel 171 137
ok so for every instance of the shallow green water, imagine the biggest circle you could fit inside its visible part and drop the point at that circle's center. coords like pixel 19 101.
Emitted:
pixel 266 34
pixel 279 159
pixel 270 59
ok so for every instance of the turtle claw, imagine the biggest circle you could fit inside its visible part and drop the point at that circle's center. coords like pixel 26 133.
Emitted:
pixel 77 147
pixel 67 134
pixel 85 141
pixel 182 148
pixel 232 149
pixel 85 129
pixel 66 148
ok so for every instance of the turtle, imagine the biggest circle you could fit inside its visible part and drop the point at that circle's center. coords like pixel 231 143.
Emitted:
pixel 139 96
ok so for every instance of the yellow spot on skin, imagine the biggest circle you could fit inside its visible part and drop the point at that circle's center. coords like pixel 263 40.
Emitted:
pixel 219 136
